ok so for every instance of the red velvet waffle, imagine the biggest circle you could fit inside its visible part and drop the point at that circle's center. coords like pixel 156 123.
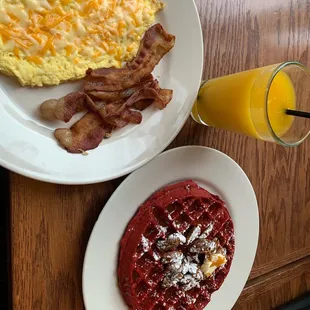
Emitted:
pixel 146 280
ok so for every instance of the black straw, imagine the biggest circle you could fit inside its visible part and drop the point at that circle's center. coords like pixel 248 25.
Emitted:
pixel 297 113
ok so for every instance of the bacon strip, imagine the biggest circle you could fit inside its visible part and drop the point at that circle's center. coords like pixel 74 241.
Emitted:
pixel 119 114
pixel 160 97
pixel 150 93
pixel 125 118
pixel 111 110
pixel 64 108
pixel 84 135
pixel 142 104
pixel 132 117
pixel 105 109
pixel 95 88
pixel 117 122
pixel 166 96
pixel 154 45
pixel 110 96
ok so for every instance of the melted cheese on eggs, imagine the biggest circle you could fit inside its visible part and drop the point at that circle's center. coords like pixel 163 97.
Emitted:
pixel 50 41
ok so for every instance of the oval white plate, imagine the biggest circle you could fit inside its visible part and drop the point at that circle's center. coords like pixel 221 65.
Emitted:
pixel 211 169
pixel 27 144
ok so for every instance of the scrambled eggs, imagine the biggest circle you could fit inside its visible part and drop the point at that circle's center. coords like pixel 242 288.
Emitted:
pixel 45 42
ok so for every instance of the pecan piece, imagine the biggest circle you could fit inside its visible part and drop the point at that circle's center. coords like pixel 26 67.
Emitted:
pixel 195 259
pixel 171 243
pixel 199 275
pixel 171 279
pixel 165 246
pixel 193 234
pixel 188 282
pixel 203 246
pixel 172 257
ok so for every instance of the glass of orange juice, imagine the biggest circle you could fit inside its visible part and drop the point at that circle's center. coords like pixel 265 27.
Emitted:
pixel 264 103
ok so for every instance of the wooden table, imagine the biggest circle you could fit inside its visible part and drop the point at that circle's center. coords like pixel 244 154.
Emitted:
pixel 50 224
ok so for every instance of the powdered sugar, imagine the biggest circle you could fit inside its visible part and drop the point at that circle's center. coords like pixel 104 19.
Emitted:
pixel 171 279
pixel 178 236
pixel 162 229
pixel 188 282
pixel 156 256
pixel 171 243
pixel 190 300
pixel 192 268
pixel 208 230
pixel 193 234
pixel 182 271
pixel 174 258
pixel 203 246
pixel 146 244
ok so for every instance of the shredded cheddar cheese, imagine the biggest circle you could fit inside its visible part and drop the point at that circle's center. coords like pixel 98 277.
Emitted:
pixel 37 60
pixel 78 33
pixel 69 50
pixel 16 51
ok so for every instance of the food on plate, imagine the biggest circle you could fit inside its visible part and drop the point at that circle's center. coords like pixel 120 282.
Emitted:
pixel 64 108
pixel 177 250
pixel 155 44
pixel 113 97
pixel 86 134
pixel 95 90
pixel 48 42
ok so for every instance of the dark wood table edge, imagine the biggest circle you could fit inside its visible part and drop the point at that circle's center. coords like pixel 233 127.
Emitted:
pixel 274 278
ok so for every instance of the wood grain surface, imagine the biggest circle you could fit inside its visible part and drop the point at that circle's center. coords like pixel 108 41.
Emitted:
pixel 277 287
pixel 51 224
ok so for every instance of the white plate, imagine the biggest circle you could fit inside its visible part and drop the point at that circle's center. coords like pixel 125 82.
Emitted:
pixel 27 144
pixel 211 169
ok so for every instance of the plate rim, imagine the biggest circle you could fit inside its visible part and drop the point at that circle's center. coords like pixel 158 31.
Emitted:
pixel 132 175
pixel 50 178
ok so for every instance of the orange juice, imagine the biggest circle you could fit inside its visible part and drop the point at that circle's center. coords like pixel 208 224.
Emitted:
pixel 241 102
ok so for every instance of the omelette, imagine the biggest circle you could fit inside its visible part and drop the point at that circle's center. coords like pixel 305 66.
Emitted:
pixel 46 42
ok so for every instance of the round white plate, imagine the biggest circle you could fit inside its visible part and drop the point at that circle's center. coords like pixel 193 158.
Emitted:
pixel 212 170
pixel 27 144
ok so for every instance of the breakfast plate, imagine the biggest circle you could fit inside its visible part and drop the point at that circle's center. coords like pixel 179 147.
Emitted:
pixel 27 144
pixel 210 169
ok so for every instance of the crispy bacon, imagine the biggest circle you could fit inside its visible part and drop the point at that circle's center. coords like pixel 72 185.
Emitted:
pixel 132 117
pixel 142 104
pixel 95 88
pixel 105 109
pixel 151 92
pixel 160 97
pixel 84 135
pixel 113 97
pixel 111 110
pixel 117 122
pixel 166 96
pixel 126 117
pixel 154 45
pixel 64 108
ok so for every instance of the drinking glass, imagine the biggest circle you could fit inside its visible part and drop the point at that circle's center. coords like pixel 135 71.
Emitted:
pixel 268 103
